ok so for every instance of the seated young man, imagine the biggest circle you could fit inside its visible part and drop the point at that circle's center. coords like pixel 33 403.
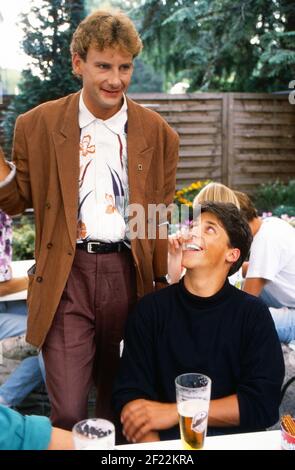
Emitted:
pixel 270 273
pixel 202 324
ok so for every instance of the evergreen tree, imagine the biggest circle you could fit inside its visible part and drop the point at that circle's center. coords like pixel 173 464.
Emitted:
pixel 48 29
pixel 145 79
pixel 226 45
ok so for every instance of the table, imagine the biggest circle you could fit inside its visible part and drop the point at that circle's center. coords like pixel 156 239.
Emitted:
pixel 267 440
pixel 19 269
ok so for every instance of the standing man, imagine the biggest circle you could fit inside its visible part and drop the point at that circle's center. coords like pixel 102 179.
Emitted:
pixel 79 162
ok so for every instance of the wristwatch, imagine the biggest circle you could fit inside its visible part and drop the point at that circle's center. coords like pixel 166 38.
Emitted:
pixel 163 279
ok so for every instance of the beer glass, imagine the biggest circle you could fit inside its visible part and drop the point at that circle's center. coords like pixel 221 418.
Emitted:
pixel 94 434
pixel 193 398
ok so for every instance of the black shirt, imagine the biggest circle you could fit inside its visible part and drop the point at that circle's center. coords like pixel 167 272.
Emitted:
pixel 229 337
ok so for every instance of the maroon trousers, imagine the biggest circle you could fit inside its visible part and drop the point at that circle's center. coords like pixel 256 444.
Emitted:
pixel 82 346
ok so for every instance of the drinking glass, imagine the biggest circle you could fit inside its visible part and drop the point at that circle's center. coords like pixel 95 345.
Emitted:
pixel 193 398
pixel 94 434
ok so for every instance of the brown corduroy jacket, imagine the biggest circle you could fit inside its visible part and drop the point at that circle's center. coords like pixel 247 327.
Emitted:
pixel 46 155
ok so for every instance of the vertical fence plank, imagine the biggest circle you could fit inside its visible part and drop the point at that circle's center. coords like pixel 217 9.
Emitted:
pixel 230 139
pixel 224 160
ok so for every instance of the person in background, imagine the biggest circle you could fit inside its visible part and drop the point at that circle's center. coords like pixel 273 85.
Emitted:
pixel 270 272
pixel 9 284
pixel 20 432
pixel 94 147
pixel 215 192
pixel 202 324
pixel 13 325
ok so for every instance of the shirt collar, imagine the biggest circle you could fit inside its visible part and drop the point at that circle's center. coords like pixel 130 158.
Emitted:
pixel 115 123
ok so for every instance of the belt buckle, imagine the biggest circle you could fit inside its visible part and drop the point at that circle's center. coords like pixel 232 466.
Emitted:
pixel 89 246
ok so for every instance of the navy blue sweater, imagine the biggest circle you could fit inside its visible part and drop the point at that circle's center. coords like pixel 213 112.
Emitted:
pixel 230 337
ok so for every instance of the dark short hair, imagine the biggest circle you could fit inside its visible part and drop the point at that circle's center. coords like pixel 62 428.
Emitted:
pixel 246 206
pixel 236 227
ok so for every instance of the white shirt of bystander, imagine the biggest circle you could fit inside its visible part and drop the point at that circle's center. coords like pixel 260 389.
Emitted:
pixel 272 257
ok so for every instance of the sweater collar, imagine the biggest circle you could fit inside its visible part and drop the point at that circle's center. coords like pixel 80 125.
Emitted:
pixel 206 302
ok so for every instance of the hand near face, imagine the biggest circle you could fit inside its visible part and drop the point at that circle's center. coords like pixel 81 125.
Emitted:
pixel 175 243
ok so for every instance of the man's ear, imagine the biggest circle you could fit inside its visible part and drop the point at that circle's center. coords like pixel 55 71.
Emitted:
pixel 76 64
pixel 233 255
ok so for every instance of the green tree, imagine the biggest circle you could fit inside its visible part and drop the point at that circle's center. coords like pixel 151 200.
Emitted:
pixel 237 45
pixel 48 29
pixel 124 5
pixel 145 79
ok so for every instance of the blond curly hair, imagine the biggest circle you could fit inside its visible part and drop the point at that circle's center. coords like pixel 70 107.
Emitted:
pixel 106 29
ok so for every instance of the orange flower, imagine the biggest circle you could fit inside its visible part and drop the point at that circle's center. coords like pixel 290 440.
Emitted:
pixel 187 194
pixel 85 146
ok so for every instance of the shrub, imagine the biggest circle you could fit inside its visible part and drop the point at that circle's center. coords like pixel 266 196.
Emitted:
pixel 270 196
pixel 282 210
pixel 23 239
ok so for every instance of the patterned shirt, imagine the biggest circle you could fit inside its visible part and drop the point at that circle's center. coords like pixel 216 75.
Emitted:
pixel 5 246
pixel 103 181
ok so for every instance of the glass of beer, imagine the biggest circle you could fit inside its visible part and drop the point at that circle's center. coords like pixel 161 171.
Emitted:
pixel 94 434
pixel 193 398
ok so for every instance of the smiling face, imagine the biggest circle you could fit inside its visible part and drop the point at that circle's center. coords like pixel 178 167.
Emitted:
pixel 106 75
pixel 208 247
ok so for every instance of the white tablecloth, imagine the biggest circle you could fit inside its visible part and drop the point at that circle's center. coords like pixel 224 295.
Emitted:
pixel 19 269
pixel 268 440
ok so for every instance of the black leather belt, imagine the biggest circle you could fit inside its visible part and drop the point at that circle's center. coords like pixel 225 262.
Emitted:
pixel 102 247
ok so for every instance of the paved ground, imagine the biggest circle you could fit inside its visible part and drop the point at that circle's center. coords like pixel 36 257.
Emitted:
pixel 37 402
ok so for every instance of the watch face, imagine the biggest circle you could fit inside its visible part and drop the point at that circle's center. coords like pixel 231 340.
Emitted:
pixel 162 279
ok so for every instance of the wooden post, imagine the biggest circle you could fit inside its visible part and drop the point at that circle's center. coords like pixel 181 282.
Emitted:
pixel 230 140
pixel 224 136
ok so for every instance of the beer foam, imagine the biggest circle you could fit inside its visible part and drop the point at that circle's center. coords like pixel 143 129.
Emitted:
pixel 190 408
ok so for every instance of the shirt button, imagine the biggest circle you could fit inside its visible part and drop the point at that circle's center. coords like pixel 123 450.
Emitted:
pixel 39 279
pixel 47 205
pixel 49 245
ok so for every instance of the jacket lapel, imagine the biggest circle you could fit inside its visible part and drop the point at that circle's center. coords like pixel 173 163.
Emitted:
pixel 66 143
pixel 139 154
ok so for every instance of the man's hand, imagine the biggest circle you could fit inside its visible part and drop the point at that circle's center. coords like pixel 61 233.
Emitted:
pixel 224 412
pixel 140 417
pixel 175 257
pixel 4 168
pixel 16 284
